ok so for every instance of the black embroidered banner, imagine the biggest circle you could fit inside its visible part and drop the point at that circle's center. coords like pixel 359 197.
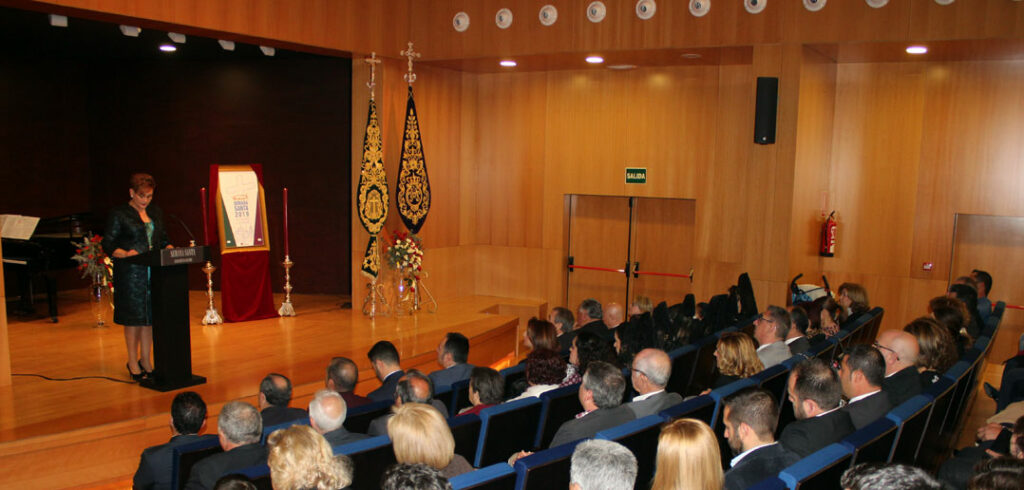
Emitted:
pixel 373 184
pixel 371 259
pixel 413 195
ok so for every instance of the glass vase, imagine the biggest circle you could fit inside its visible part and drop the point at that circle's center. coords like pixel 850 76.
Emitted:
pixel 99 301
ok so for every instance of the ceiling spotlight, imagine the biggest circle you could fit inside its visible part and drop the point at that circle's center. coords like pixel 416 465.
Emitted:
pixel 267 50
pixel 507 63
pixel 130 31
pixel 917 49
pixel 177 38
pixel 226 45
pixel 168 48
pixel 58 20
pixel 621 67
pixel 594 60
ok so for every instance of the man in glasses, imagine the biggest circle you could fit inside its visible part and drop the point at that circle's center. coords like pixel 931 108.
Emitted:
pixel 650 373
pixel 861 372
pixel 770 330
pixel 899 349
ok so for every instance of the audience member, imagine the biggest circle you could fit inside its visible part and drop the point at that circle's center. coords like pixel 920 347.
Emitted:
pixel 641 304
pixel 563 320
pixel 413 477
pixel 301 459
pixel 239 428
pixel 386 365
pixel 275 395
pixel 413 387
pixel 854 300
pixel 452 354
pixel 342 377
pixel 234 481
pixel 831 316
pixel 688 457
pixel 419 434
pixel 486 389
pixel 613 316
pixel 816 393
pixel 188 418
pixel 590 318
pixel 602 465
pixel 937 349
pixel 586 348
pixel 952 314
pixel 544 370
pixel 650 373
pixel 994 441
pixel 630 338
pixel 797 339
pixel 540 334
pixel 969 296
pixel 770 330
pixel 736 358
pixel 902 380
pixel 861 372
pixel 984 287
pixel 1001 473
pixel 327 413
pixel 750 417
pixel 873 476
pixel 600 395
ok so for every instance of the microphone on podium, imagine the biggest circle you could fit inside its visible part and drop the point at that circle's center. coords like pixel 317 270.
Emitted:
pixel 191 237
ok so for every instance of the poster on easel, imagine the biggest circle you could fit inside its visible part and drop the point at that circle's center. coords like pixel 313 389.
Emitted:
pixel 241 210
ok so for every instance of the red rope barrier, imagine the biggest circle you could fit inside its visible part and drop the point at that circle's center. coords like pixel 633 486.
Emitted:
pixel 602 269
pixel 1015 307
pixel 666 274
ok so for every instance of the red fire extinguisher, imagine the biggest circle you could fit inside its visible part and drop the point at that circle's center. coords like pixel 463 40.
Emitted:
pixel 828 236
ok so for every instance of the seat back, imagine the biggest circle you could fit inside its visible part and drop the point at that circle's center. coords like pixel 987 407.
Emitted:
pixel 700 408
pixel 873 443
pixel 505 429
pixel 705 366
pixel 684 359
pixel 370 458
pixel 499 476
pixel 958 375
pixel 545 469
pixel 185 456
pixel 932 445
pixel 775 378
pixel 641 437
pixel 283 425
pixel 444 395
pixel 358 419
pixel 912 418
pixel 515 375
pixel 558 406
pixel 819 470
pixel 460 397
pixel 466 431
pixel 962 396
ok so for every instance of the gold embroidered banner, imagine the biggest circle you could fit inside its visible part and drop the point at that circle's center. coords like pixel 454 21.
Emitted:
pixel 373 183
pixel 413 195
pixel 371 259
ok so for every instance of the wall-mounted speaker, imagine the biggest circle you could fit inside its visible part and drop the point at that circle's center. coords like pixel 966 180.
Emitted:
pixel 766 109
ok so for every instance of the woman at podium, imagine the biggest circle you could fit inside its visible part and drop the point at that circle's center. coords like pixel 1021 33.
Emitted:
pixel 133 228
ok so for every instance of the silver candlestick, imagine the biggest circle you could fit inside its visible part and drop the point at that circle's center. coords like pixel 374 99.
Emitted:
pixel 211 317
pixel 286 307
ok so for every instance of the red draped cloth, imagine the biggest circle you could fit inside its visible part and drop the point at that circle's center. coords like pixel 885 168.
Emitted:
pixel 245 289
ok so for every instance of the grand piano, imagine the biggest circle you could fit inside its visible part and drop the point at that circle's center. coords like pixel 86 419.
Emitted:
pixel 41 258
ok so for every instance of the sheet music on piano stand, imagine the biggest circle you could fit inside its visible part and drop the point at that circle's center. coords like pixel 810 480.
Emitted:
pixel 17 226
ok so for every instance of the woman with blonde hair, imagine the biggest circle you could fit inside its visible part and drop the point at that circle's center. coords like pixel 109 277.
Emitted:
pixel 688 457
pixel 937 349
pixel 419 434
pixel 854 299
pixel 736 358
pixel 641 304
pixel 301 459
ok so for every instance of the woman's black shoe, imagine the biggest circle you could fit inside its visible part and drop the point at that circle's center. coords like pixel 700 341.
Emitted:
pixel 135 377
pixel 148 374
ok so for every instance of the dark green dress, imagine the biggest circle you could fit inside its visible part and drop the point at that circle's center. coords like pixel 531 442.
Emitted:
pixel 125 230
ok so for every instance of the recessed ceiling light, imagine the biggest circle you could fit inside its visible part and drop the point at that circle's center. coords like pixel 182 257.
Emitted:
pixel 917 49
pixel 267 50
pixel 226 45
pixel 595 60
pixel 621 67
pixel 58 20
pixel 168 48
pixel 690 56
pixel 176 37
pixel 130 31
pixel 507 63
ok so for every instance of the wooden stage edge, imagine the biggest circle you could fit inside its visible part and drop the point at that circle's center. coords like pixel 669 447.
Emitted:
pixel 88 433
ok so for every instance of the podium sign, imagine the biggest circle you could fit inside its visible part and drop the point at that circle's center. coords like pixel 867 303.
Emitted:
pixel 172 343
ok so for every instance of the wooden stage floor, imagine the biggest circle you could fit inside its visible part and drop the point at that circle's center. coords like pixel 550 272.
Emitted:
pixel 58 434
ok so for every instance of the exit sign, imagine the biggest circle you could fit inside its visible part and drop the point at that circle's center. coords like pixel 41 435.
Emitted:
pixel 636 175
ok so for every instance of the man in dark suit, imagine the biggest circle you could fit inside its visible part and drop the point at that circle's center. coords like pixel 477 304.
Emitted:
pixel 750 417
pixel 188 417
pixel 650 373
pixel 452 354
pixel 563 321
pixel 861 372
pixel 342 377
pixel 902 381
pixel 613 316
pixel 600 395
pixel 413 387
pixel 239 428
pixel 590 318
pixel 327 413
pixel 770 330
pixel 797 337
pixel 275 395
pixel 816 393
pixel 384 359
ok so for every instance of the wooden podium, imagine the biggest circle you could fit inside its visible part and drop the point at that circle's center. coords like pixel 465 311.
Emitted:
pixel 172 344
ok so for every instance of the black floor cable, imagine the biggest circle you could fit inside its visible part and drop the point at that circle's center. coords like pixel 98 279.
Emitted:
pixel 76 378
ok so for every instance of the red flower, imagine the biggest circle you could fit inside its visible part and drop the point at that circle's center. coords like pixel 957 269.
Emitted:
pixel 90 256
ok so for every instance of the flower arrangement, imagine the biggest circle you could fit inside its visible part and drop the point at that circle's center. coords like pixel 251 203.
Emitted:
pixel 406 253
pixel 92 261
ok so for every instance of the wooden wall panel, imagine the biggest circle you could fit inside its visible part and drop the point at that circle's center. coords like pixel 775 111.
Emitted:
pixel 5 344
pixel 847 21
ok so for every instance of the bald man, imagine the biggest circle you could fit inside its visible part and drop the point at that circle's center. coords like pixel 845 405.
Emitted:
pixel 327 413
pixel 413 387
pixel 613 315
pixel 650 373
pixel 275 395
pixel 899 349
